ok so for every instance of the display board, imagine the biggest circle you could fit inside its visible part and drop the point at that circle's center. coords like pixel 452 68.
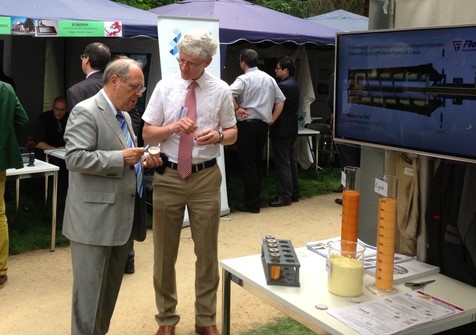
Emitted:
pixel 411 90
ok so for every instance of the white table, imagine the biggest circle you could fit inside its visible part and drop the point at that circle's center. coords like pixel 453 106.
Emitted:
pixel 40 169
pixel 313 148
pixel 299 302
pixel 58 153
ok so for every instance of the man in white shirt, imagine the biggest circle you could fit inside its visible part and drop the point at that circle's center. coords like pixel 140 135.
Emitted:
pixel 170 117
pixel 258 103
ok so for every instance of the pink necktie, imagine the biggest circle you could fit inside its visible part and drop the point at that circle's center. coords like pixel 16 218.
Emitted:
pixel 184 167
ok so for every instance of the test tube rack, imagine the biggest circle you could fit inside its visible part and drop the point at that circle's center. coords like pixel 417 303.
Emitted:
pixel 280 263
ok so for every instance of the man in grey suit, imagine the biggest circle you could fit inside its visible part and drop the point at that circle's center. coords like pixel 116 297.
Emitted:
pixel 94 60
pixel 100 211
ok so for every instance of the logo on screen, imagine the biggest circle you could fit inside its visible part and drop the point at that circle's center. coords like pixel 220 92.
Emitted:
pixel 466 45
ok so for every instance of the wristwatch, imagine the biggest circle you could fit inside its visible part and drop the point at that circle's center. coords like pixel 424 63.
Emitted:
pixel 220 137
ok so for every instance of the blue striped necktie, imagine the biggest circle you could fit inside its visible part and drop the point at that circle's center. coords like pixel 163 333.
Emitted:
pixel 130 143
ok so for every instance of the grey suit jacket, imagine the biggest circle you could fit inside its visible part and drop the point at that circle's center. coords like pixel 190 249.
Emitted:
pixel 99 207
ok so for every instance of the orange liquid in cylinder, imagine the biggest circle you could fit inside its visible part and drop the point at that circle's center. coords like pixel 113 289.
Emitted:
pixel 387 209
pixel 350 215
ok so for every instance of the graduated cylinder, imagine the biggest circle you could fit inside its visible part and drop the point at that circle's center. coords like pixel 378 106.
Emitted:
pixel 387 220
pixel 350 204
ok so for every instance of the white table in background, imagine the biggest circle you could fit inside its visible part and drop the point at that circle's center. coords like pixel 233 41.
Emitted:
pixel 40 169
pixel 313 147
pixel 299 302
pixel 58 153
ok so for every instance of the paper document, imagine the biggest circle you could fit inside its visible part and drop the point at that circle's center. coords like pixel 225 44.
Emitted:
pixel 391 314
pixel 408 269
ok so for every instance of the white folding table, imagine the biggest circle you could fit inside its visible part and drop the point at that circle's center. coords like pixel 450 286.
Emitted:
pixel 300 302
pixel 39 169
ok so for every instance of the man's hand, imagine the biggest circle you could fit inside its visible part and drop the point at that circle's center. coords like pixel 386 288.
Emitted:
pixel 152 161
pixel 132 155
pixel 207 137
pixel 185 126
pixel 241 113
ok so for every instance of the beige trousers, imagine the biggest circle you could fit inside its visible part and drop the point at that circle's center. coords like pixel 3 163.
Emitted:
pixel 200 192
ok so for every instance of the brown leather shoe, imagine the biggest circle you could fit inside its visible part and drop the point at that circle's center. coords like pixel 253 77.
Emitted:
pixel 207 330
pixel 166 330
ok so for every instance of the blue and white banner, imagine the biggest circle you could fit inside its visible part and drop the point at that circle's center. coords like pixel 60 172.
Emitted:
pixel 170 29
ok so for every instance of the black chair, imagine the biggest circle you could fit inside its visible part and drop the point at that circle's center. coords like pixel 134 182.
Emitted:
pixel 327 148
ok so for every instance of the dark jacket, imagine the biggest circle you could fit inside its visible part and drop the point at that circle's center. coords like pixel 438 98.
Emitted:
pixel 84 89
pixel 50 130
pixel 287 123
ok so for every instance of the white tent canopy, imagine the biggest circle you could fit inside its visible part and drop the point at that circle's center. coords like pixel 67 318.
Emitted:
pixel 342 20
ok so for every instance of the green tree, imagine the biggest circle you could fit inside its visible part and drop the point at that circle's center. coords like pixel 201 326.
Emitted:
pixel 146 4
pixel 307 8
pixel 299 8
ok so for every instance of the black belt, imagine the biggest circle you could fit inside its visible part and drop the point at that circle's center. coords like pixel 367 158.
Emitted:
pixel 195 167
pixel 251 120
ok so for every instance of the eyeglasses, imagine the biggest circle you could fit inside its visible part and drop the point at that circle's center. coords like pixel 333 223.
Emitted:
pixel 135 87
pixel 187 63
pixel 83 56
pixel 278 68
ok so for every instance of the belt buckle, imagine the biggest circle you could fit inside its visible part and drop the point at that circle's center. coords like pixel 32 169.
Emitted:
pixel 196 168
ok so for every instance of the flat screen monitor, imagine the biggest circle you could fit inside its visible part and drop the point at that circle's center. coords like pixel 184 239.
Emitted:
pixel 410 90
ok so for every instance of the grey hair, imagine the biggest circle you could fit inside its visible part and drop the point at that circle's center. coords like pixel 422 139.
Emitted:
pixel 120 67
pixel 198 43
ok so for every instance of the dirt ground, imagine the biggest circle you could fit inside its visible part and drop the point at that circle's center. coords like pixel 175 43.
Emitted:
pixel 37 296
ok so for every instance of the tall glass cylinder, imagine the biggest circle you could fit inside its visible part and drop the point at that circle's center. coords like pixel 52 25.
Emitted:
pixel 386 226
pixel 350 204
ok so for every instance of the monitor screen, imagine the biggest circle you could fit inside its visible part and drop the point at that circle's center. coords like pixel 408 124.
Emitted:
pixel 411 90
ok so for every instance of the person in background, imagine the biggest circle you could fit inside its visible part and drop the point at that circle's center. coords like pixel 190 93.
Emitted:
pixel 48 135
pixel 94 60
pixel 50 126
pixel 13 121
pixel 102 213
pixel 258 102
pixel 190 135
pixel 283 133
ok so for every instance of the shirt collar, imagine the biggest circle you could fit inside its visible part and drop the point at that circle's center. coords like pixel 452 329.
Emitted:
pixel 91 73
pixel 114 109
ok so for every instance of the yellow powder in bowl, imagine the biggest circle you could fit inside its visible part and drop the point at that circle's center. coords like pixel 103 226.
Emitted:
pixel 346 276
